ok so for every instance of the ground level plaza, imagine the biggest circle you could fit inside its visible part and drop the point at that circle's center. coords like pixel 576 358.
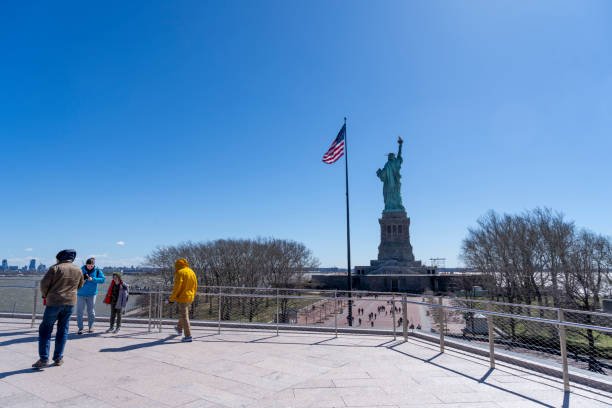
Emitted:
pixel 249 368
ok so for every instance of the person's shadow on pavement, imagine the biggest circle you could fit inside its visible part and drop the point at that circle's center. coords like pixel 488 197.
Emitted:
pixel 138 346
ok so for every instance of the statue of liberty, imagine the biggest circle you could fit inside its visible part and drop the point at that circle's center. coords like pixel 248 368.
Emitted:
pixel 390 176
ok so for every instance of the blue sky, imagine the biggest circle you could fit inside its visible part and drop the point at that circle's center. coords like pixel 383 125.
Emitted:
pixel 152 123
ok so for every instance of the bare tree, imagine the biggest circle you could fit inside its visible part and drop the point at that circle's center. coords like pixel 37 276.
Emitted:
pixel 556 240
pixel 269 262
pixel 535 255
pixel 589 266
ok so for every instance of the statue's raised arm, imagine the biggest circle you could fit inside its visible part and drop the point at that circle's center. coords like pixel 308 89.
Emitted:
pixel 400 141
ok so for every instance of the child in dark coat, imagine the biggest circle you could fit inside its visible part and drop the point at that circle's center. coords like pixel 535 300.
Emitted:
pixel 117 298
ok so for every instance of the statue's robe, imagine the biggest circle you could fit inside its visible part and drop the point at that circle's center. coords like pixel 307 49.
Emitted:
pixel 390 176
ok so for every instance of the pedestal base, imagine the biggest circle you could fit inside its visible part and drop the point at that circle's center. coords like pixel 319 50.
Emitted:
pixel 395 237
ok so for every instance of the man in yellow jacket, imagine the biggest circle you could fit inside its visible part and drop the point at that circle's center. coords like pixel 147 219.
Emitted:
pixel 185 288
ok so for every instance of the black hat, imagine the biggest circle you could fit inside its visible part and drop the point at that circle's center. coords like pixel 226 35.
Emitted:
pixel 66 255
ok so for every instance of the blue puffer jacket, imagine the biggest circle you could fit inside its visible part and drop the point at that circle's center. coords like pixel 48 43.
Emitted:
pixel 90 288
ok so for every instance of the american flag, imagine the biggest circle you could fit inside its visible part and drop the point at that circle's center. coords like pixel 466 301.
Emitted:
pixel 337 148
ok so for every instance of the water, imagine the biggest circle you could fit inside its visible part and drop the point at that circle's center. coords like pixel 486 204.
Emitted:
pixel 17 294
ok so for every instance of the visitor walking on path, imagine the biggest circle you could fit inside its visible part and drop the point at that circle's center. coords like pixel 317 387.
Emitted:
pixel 87 295
pixel 116 297
pixel 185 288
pixel 59 290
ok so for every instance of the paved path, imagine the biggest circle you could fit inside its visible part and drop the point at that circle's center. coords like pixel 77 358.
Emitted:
pixel 257 369
pixel 384 321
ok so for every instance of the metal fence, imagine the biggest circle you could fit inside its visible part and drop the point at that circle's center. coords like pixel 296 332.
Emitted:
pixel 561 338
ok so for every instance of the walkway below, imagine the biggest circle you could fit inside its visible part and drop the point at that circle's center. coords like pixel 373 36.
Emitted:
pixel 242 368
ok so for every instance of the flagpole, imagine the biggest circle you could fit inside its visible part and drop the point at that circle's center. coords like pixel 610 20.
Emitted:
pixel 348 232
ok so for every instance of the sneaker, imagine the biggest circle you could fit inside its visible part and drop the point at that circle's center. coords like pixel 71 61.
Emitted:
pixel 40 364
pixel 91 330
pixel 58 361
pixel 187 339
pixel 110 330
pixel 116 330
pixel 179 332
pixel 80 331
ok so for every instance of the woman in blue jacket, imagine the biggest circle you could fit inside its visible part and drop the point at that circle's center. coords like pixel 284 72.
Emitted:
pixel 87 294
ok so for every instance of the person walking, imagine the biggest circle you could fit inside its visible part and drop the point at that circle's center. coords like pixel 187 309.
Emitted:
pixel 185 288
pixel 59 292
pixel 116 297
pixel 87 294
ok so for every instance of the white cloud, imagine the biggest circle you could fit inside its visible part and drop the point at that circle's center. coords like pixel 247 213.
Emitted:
pixel 28 249
pixel 120 243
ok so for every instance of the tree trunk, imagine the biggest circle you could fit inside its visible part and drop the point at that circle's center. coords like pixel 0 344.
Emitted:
pixel 251 307
pixel 593 363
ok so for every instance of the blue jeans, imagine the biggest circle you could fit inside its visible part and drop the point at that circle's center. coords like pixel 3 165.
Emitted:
pixel 90 301
pixel 61 314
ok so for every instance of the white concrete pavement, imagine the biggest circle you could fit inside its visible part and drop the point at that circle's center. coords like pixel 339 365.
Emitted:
pixel 242 368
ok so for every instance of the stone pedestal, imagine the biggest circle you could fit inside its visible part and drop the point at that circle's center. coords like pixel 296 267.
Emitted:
pixel 395 237
pixel 395 251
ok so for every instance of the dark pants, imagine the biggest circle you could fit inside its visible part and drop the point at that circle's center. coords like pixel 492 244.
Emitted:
pixel 61 315
pixel 115 314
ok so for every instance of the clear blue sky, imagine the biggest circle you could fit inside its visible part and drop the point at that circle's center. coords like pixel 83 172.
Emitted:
pixel 151 123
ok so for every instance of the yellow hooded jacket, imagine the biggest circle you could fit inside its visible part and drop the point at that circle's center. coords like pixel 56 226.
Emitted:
pixel 185 283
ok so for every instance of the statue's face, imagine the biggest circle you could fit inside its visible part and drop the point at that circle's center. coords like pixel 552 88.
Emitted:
pixel 391 156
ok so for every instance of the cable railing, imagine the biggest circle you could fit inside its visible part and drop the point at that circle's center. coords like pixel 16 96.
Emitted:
pixel 537 335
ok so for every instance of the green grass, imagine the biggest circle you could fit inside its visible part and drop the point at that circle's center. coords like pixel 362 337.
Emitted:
pixel 542 335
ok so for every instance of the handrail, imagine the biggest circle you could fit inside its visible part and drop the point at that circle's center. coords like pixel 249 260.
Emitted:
pixel 537 307
pixel 458 308
pixel 518 317
pixel 484 312
pixel 399 294
pixel 485 301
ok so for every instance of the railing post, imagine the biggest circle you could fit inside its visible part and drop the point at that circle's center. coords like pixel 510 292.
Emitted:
pixel 441 326
pixel 161 306
pixel 405 317
pixel 154 312
pixel 393 316
pixel 563 345
pixel 491 338
pixel 277 310
pixel 336 312
pixel 34 307
pixel 219 323
pixel 150 309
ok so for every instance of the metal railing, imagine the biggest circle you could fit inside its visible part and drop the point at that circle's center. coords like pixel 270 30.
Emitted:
pixel 570 338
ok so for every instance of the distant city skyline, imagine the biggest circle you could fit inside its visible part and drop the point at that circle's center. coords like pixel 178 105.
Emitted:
pixel 139 125
pixel 7 265
pixel 32 266
pixel 36 263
